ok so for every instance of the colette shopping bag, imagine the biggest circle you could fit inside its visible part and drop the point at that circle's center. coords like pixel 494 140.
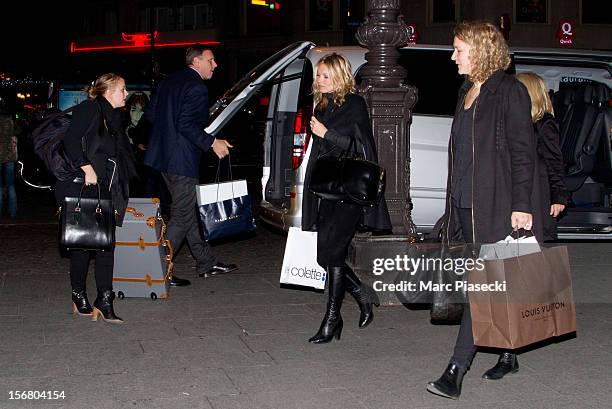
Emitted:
pixel 224 208
pixel 529 299
pixel 300 265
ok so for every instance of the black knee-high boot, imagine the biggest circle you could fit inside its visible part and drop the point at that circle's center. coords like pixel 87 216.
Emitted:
pixel 332 321
pixel 363 294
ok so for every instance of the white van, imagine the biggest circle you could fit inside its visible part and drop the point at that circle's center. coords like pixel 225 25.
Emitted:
pixel 276 95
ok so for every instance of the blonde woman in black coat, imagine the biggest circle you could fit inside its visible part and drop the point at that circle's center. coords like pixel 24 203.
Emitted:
pixel 550 159
pixel 96 144
pixel 340 116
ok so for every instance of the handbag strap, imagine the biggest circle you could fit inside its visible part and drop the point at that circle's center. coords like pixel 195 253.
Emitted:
pixel 78 204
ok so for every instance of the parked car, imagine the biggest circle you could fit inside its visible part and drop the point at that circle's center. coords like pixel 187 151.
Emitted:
pixel 280 90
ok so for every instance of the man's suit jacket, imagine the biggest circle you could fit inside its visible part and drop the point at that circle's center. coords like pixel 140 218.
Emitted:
pixel 178 113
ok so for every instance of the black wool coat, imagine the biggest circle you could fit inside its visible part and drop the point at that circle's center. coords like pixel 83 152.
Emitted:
pixel 551 171
pixel 505 177
pixel 350 120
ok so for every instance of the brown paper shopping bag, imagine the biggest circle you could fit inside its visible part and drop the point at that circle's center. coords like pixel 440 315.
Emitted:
pixel 537 303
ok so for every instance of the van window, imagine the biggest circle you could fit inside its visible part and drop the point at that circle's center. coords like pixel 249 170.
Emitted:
pixel 435 76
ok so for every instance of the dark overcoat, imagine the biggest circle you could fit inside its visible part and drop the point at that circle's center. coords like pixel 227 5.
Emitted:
pixel 178 113
pixel 551 171
pixel 505 175
pixel 350 120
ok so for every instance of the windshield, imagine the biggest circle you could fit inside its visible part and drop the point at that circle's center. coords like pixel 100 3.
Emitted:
pixel 249 78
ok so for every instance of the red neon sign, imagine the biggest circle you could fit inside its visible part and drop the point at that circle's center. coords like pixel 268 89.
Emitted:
pixel 138 40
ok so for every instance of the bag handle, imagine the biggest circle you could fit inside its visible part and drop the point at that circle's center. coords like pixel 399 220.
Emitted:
pixel 229 174
pixel 77 208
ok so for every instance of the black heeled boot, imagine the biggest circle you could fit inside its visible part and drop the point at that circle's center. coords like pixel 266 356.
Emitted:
pixel 449 384
pixel 103 305
pixel 332 321
pixel 80 303
pixel 363 294
pixel 506 364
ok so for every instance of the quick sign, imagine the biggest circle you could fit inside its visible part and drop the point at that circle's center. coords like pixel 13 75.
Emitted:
pixel 565 33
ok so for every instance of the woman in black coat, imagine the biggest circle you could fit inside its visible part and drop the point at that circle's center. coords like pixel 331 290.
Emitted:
pixel 340 116
pixel 492 186
pixel 550 159
pixel 96 144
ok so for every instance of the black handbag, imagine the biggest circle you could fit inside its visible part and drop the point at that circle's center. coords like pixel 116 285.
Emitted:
pixel 348 179
pixel 87 224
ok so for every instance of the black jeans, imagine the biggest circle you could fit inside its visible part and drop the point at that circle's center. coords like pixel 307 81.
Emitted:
pixel 79 264
pixel 184 223
pixel 465 350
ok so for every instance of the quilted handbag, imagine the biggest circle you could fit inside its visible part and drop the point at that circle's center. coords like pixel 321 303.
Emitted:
pixel 87 223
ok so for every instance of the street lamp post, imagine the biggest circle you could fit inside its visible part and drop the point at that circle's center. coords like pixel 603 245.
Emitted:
pixel 390 102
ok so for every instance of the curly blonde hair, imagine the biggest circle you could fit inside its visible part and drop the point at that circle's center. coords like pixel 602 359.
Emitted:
pixel 488 48
pixel 538 93
pixel 341 75
pixel 103 83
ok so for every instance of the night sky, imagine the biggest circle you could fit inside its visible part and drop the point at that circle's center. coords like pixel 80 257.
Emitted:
pixel 34 36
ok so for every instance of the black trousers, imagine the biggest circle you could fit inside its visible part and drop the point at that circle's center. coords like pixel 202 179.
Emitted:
pixel 79 264
pixel 184 222
pixel 464 352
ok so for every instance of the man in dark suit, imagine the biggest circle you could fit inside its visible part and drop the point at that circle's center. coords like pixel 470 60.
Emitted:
pixel 179 114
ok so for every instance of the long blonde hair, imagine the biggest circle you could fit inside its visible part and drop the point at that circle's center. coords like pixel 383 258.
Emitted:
pixel 103 83
pixel 538 92
pixel 341 77
pixel 488 48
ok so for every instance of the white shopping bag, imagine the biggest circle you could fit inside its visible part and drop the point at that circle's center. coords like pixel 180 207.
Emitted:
pixel 509 247
pixel 218 192
pixel 300 265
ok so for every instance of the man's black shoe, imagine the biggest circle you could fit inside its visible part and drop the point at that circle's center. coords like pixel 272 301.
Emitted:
pixel 506 364
pixel 219 268
pixel 179 282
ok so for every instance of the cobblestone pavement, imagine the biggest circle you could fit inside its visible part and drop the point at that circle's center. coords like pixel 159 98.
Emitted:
pixel 240 341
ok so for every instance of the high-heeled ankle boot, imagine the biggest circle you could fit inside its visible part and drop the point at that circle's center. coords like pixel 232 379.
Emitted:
pixel 331 326
pixel 449 384
pixel 80 303
pixel 103 305
pixel 363 294
pixel 507 363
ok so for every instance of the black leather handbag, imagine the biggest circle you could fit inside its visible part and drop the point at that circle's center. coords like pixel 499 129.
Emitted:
pixel 348 179
pixel 87 223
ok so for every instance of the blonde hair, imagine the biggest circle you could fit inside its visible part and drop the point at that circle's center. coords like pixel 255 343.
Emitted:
pixel 488 48
pixel 341 75
pixel 102 84
pixel 538 92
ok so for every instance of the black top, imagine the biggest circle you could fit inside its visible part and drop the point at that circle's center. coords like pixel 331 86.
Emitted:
pixel 461 185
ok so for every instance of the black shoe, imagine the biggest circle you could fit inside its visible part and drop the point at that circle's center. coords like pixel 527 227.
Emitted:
pixel 219 268
pixel 179 282
pixel 365 296
pixel 506 364
pixel 103 305
pixel 449 384
pixel 80 303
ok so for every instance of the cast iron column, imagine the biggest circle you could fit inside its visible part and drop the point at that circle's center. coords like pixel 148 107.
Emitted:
pixel 390 102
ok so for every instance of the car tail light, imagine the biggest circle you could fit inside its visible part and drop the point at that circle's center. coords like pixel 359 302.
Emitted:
pixel 301 135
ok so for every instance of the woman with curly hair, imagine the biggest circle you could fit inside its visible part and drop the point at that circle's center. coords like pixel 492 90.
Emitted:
pixel 340 116
pixel 492 179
